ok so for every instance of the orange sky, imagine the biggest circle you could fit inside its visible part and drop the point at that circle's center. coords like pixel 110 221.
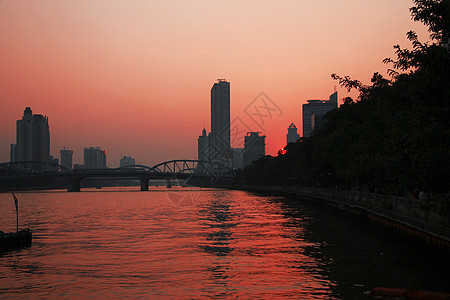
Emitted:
pixel 134 77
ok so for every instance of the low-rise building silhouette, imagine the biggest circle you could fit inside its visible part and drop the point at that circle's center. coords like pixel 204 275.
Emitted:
pixel 66 158
pixel 12 151
pixel 292 135
pixel 94 158
pixel 127 161
pixel 53 160
pixel 254 147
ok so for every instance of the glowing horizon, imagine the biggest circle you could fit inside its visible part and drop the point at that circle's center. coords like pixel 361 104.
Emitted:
pixel 135 78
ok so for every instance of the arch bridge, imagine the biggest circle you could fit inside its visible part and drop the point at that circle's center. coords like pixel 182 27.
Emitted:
pixel 185 169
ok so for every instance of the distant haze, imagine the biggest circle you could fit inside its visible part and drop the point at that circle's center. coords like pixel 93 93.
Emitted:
pixel 134 77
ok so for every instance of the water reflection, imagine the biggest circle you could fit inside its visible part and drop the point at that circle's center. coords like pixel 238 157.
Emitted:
pixel 226 244
pixel 217 218
pixel 254 244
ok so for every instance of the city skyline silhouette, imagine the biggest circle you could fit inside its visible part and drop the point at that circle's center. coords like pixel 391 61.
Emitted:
pixel 234 149
pixel 134 79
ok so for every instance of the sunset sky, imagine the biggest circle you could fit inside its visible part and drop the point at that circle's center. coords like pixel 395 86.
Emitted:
pixel 134 77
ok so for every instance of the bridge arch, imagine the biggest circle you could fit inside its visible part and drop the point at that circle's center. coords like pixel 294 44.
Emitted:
pixel 184 166
pixel 134 167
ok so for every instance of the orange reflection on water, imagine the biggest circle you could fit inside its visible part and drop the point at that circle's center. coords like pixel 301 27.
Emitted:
pixel 109 244
pixel 254 250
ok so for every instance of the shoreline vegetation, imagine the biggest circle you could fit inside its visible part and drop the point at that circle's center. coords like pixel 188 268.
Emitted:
pixel 394 139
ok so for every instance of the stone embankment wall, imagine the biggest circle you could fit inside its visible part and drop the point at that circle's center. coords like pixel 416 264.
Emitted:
pixel 426 218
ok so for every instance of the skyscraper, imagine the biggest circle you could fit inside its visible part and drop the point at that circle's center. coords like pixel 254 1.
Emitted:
pixel 32 138
pixel 66 158
pixel 220 150
pixel 292 135
pixel 94 158
pixel 254 147
pixel 313 113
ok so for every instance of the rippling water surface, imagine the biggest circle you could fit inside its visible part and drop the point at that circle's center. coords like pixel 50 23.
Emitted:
pixel 192 243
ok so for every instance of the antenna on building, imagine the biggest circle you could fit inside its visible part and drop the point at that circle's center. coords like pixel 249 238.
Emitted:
pixel 335 88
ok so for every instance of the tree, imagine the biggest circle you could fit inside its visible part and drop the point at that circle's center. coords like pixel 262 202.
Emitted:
pixel 396 136
pixel 436 15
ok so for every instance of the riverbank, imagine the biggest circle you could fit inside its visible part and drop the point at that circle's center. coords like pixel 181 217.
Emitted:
pixel 423 219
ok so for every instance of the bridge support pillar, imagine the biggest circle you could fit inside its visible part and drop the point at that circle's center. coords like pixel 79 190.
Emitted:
pixel 74 185
pixel 168 184
pixel 144 184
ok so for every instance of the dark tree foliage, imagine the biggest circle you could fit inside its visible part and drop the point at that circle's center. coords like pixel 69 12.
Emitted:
pixel 394 138
pixel 434 14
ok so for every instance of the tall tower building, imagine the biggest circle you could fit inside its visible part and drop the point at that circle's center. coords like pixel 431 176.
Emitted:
pixel 313 113
pixel 203 145
pixel 292 135
pixel 32 138
pixel 66 158
pixel 254 147
pixel 94 158
pixel 220 150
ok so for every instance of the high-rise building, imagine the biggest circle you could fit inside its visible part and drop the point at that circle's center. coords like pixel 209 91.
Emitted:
pixel 66 158
pixel 127 161
pixel 203 144
pixel 292 135
pixel 219 143
pixel 94 158
pixel 313 113
pixel 254 147
pixel 32 138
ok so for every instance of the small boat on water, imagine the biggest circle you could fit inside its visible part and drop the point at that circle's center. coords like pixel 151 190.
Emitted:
pixel 18 239
pixel 15 240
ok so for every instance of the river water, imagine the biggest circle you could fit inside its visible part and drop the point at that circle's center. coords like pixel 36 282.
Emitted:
pixel 204 243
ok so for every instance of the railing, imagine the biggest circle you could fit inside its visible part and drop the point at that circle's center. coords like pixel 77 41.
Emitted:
pixel 429 215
